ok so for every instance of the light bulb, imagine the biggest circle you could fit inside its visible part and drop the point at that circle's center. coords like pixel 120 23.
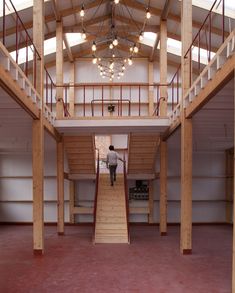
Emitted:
pixel 123 67
pixel 141 37
pixel 82 12
pixel 113 55
pixel 122 73
pixel 115 41
pixel 148 14
pixel 93 48
pixel 83 35
pixel 118 77
pixel 131 49
pixel 136 49
pixel 101 73
pixel 94 60
pixel 116 1
pixel 111 46
pixel 130 62
pixel 103 76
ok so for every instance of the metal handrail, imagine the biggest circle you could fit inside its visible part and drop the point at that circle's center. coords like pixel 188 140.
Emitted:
pixel 126 196
pixel 96 189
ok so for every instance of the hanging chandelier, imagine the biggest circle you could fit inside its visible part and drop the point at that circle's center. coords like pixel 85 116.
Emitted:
pixel 112 64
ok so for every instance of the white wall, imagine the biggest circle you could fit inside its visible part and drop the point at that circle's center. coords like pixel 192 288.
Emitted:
pixel 16 185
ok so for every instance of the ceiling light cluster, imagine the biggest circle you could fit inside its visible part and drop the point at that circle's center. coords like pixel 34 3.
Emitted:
pixel 113 65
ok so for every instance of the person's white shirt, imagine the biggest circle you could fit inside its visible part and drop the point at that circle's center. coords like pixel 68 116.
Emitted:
pixel 112 158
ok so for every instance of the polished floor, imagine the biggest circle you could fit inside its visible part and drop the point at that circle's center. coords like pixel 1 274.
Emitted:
pixel 151 263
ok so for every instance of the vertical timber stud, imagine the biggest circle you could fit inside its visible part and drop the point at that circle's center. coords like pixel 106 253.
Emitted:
pixel 163 188
pixel 59 69
pixel 72 89
pixel 71 201
pixel 151 89
pixel 151 201
pixel 186 134
pixel 163 67
pixel 38 134
pixel 229 184
pixel 60 187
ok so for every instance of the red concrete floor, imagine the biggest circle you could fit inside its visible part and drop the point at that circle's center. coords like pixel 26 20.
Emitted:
pixel 150 264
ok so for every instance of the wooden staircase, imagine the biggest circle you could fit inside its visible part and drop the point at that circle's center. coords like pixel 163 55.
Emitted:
pixel 80 152
pixel 142 151
pixel 111 219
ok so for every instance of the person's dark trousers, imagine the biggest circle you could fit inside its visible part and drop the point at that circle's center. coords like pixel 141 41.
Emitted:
pixel 112 172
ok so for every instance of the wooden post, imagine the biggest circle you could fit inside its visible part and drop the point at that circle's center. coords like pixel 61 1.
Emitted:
pixel 163 67
pixel 151 201
pixel 59 69
pixel 72 89
pixel 71 201
pixel 163 188
pixel 38 134
pixel 60 187
pixel 186 134
pixel 229 184
pixel 151 90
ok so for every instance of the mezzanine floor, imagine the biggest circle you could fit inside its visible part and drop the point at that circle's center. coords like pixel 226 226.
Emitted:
pixel 150 264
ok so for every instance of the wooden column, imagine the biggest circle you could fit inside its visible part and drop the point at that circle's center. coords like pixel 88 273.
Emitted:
pixel 151 90
pixel 151 201
pixel 163 188
pixel 71 201
pixel 38 134
pixel 60 187
pixel 59 69
pixel 72 89
pixel 186 134
pixel 163 67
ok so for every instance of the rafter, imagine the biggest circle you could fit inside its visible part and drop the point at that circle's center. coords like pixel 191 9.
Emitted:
pixel 68 49
pixel 164 15
pixel 56 10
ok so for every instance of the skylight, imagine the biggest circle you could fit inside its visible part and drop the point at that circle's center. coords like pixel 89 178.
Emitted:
pixel 174 47
pixel 49 47
pixel 207 4
pixel 19 5
pixel 149 39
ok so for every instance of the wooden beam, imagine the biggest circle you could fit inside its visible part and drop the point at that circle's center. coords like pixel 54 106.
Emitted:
pixel 59 70
pixel 166 9
pixel 56 10
pixel 163 188
pixel 163 68
pixel 60 187
pixel 71 201
pixel 72 89
pixel 212 87
pixel 186 135
pixel 51 129
pixel 68 49
pixel 142 7
pixel 151 88
pixel 164 15
pixel 38 135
